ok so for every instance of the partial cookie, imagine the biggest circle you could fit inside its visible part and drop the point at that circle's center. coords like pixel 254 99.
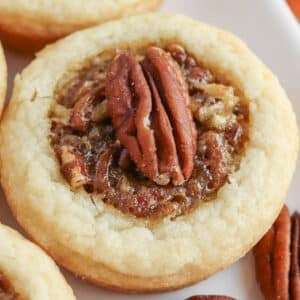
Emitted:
pixel 26 272
pixel 3 78
pixel 30 25
pixel 146 154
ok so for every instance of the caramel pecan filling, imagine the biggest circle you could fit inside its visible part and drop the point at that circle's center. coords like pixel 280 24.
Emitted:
pixel 6 290
pixel 152 133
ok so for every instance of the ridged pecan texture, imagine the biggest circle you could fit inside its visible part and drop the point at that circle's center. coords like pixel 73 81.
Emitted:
pixel 150 109
pixel 277 259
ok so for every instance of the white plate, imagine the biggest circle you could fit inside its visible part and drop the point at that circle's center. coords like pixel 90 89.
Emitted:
pixel 273 34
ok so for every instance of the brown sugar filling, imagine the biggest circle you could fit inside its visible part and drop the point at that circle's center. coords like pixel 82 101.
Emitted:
pixel 91 155
pixel 6 290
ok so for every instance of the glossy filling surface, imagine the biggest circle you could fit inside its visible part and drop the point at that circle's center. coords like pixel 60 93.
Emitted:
pixel 92 157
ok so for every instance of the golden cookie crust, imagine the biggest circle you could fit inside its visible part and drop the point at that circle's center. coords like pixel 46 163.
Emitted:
pixel 30 25
pixel 33 275
pixel 117 251
pixel 3 78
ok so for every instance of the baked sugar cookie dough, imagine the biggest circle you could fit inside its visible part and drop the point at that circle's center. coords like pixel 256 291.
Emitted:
pixel 26 272
pixel 147 154
pixel 3 78
pixel 30 25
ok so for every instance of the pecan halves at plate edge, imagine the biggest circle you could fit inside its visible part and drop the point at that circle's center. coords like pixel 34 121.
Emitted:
pixel 174 95
pixel 210 297
pixel 272 259
pixel 130 105
pixel 295 268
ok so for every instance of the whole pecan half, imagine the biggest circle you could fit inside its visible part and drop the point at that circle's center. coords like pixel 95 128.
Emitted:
pixel 149 106
pixel 272 259
pixel 210 297
pixel 167 78
pixel 130 105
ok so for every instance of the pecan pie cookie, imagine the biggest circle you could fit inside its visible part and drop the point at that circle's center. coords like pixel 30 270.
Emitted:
pixel 26 272
pixel 30 25
pixel 3 78
pixel 147 154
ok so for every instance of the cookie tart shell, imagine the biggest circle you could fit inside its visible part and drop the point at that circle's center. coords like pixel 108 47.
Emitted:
pixel 3 78
pixel 30 272
pixel 119 251
pixel 30 25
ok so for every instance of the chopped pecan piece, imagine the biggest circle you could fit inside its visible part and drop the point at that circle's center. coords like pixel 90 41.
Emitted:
pixel 83 111
pixel 295 258
pixel 177 52
pixel 92 79
pixel 152 119
pixel 210 297
pixel 73 166
pixel 78 119
pixel 180 56
pixel 272 259
pixel 124 160
pixel 199 75
pixel 211 148
pixel 101 181
pixel 100 112
pixel 214 107
pixel 234 133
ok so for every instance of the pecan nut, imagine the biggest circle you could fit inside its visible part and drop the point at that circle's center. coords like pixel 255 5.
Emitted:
pixel 211 149
pixel 83 112
pixel 210 297
pixel 91 80
pixel 272 259
pixel 102 169
pixel 149 106
pixel 130 105
pixel 73 165
pixel 172 92
pixel 295 258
